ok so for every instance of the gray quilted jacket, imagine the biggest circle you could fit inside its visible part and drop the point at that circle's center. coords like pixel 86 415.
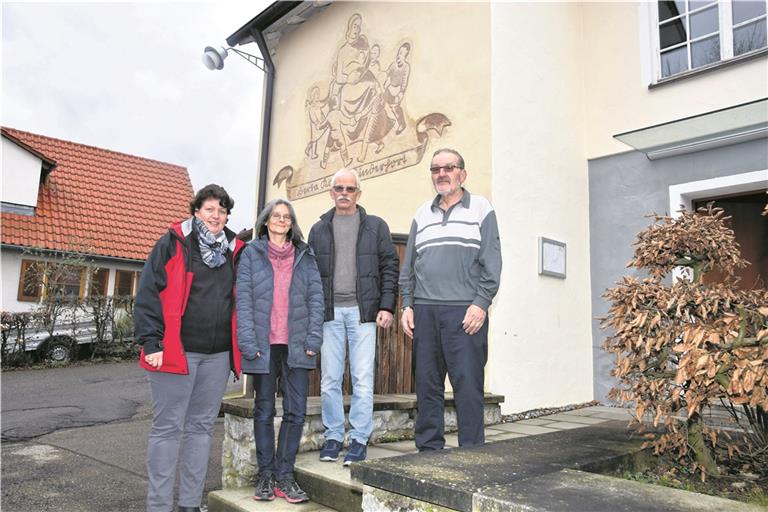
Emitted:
pixel 254 306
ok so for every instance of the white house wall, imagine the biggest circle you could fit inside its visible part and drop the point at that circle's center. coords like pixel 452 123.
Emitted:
pixel 618 61
pixel 541 355
pixel 20 175
pixel 10 269
pixel 625 185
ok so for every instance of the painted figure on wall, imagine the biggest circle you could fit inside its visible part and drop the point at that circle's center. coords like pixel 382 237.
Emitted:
pixel 361 119
pixel 363 102
pixel 317 109
pixel 397 83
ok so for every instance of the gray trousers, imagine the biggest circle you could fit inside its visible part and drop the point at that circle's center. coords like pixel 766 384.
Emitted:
pixel 184 409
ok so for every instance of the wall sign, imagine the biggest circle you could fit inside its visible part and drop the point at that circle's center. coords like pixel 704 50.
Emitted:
pixel 552 257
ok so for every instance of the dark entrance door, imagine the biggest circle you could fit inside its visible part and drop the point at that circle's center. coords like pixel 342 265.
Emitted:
pixel 751 231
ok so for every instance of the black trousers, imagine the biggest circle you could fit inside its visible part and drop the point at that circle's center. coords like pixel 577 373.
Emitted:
pixel 441 346
pixel 294 383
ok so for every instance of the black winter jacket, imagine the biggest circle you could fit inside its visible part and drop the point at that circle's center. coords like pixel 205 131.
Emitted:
pixel 377 264
pixel 254 289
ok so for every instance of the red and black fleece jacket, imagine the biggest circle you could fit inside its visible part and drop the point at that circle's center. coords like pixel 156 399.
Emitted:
pixel 164 288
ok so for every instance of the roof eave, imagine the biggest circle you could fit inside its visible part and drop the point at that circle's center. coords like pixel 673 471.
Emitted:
pixel 262 21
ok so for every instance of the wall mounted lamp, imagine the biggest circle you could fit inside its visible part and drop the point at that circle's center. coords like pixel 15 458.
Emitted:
pixel 213 57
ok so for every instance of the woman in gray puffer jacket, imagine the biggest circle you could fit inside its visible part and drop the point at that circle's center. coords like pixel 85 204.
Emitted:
pixel 279 299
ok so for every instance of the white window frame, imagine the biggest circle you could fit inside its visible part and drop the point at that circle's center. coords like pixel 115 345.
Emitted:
pixel 686 193
pixel 725 32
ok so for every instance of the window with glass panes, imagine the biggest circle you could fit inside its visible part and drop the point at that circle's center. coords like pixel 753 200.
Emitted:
pixel 99 278
pixel 696 33
pixel 30 281
pixel 125 281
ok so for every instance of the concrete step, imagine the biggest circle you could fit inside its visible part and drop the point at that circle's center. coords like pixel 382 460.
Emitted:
pixel 329 483
pixel 241 500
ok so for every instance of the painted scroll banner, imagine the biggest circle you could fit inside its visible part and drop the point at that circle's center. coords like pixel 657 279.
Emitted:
pixel 435 122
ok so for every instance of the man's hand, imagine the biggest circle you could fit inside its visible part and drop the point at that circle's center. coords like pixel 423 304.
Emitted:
pixel 406 322
pixel 154 360
pixel 473 319
pixel 384 319
pixel 311 353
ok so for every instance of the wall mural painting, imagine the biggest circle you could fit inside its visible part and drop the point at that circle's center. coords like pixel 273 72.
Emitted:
pixel 358 117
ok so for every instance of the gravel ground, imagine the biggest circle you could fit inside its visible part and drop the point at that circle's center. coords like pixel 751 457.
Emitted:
pixel 535 413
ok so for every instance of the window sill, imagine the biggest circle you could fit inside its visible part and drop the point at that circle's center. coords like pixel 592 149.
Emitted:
pixel 710 67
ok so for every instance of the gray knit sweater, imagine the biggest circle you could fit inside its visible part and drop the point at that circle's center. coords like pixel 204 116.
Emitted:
pixel 453 257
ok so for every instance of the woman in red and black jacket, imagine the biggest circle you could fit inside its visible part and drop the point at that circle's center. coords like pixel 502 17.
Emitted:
pixel 185 320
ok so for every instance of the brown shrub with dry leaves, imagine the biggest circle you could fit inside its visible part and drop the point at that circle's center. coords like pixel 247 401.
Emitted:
pixel 683 347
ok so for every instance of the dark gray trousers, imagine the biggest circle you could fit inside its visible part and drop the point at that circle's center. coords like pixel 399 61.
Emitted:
pixel 184 409
pixel 441 346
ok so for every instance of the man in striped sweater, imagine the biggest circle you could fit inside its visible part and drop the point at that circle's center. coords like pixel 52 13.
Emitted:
pixel 449 277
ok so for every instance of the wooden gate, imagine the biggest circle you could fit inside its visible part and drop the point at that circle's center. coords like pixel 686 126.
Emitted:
pixel 393 367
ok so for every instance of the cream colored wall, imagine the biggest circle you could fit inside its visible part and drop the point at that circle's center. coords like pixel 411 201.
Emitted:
pixel 541 353
pixel 617 96
pixel 450 74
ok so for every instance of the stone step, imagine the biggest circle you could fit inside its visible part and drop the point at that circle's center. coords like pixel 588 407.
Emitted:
pixel 241 500
pixel 329 483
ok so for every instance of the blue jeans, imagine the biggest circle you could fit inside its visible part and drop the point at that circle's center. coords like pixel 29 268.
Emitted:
pixel 346 328
pixel 294 383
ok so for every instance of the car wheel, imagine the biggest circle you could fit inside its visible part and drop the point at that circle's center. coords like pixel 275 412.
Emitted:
pixel 60 349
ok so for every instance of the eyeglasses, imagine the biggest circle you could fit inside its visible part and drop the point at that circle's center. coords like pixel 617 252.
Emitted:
pixel 341 188
pixel 277 217
pixel 447 168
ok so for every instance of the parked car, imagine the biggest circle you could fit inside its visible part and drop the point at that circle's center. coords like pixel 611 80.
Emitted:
pixel 68 338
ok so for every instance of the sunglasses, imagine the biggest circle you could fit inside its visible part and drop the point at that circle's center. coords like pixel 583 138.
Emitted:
pixel 447 168
pixel 341 188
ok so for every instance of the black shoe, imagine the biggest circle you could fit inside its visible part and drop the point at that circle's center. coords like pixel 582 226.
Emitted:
pixel 265 487
pixel 288 489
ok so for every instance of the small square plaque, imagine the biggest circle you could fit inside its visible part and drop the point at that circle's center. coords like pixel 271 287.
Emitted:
pixel 551 257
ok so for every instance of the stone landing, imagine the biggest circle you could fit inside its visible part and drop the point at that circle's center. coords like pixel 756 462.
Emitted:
pixel 393 419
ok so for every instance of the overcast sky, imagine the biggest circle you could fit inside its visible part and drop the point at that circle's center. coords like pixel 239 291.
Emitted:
pixel 129 77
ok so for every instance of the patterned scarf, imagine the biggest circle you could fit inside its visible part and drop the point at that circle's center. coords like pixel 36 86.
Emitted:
pixel 213 248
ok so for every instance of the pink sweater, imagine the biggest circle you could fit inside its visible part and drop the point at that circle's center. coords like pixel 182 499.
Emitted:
pixel 282 265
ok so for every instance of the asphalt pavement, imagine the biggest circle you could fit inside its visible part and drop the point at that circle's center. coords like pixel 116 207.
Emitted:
pixel 74 439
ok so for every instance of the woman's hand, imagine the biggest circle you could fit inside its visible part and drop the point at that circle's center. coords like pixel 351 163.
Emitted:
pixel 154 360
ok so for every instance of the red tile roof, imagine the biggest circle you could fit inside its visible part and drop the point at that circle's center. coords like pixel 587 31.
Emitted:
pixel 111 203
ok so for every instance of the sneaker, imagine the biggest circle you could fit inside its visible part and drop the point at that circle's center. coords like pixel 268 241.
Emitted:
pixel 288 489
pixel 265 484
pixel 330 450
pixel 355 453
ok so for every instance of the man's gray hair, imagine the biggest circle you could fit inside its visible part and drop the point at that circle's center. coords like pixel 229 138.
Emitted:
pixel 351 171
pixel 451 151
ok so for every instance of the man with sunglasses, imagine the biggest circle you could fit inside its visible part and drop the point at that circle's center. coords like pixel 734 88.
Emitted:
pixel 359 269
pixel 450 275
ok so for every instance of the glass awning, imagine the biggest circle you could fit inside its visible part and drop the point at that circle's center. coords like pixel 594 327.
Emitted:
pixel 722 127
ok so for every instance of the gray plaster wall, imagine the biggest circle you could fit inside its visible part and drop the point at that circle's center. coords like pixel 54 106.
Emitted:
pixel 623 189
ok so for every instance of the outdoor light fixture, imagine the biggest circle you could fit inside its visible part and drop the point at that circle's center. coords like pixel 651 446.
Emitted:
pixel 213 57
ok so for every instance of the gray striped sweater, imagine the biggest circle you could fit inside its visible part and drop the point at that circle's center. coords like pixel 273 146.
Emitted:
pixel 453 257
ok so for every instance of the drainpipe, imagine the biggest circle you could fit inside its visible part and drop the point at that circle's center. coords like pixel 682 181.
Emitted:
pixel 266 117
